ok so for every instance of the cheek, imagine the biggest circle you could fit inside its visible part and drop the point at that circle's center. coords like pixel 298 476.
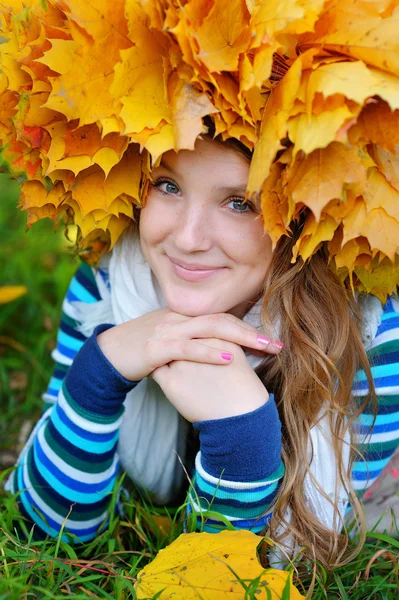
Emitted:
pixel 252 248
pixel 155 223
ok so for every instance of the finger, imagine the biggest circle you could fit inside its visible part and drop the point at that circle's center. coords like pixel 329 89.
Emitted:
pixel 168 350
pixel 229 329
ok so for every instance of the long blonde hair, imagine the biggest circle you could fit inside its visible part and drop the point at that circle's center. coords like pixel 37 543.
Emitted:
pixel 320 326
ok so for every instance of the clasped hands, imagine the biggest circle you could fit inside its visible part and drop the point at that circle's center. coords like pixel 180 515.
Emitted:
pixel 184 355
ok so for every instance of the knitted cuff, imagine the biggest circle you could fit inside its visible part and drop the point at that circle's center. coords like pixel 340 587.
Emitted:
pixel 93 381
pixel 242 448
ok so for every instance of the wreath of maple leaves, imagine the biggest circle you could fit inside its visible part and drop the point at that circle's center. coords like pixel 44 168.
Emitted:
pixel 93 93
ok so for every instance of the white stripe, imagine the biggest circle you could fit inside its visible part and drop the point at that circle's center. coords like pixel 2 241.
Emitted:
pixel 49 398
pixel 69 309
pixel 61 358
pixel 71 472
pixel 200 509
pixel 47 510
pixel 387 336
pixel 387 436
pixel 389 390
pixel 362 484
pixel 85 423
pixel 235 485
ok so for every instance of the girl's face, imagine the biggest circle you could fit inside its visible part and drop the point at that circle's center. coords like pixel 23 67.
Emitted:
pixel 206 248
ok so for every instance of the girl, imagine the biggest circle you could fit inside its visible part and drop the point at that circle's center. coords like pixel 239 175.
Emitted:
pixel 194 325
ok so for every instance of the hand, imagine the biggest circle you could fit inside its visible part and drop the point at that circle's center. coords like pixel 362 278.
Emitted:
pixel 138 347
pixel 201 392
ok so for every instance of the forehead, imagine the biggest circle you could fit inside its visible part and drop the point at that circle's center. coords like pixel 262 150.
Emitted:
pixel 219 160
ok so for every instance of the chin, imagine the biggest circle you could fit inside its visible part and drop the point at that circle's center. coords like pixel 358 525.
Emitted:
pixel 195 306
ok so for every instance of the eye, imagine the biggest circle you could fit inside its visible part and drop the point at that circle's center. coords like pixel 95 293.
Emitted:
pixel 165 186
pixel 239 206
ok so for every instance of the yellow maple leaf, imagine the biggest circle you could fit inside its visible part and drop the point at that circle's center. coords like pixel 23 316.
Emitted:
pixel 324 174
pixel 378 124
pixel 274 123
pixel 92 190
pixel 313 235
pixel 197 565
pixel 380 194
pixel 388 164
pixel 361 30
pixel 220 40
pixel 308 132
pixel 77 148
pixel 100 32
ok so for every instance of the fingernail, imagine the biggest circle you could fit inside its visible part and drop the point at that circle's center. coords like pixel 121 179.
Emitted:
pixel 226 356
pixel 263 340
pixel 278 344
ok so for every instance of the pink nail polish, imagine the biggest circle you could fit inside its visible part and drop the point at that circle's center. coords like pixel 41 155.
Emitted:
pixel 263 340
pixel 278 344
pixel 226 356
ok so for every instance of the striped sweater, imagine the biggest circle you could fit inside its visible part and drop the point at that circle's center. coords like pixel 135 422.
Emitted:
pixel 70 463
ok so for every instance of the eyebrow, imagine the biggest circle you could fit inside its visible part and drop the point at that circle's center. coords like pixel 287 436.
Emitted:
pixel 226 189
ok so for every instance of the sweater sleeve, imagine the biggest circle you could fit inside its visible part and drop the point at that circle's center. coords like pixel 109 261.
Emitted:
pixel 378 441
pixel 69 464
pixel 245 496
pixel 238 470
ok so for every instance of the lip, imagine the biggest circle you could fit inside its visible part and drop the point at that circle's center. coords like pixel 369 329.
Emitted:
pixel 193 271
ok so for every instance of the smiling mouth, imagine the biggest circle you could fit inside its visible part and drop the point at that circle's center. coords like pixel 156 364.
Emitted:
pixel 194 272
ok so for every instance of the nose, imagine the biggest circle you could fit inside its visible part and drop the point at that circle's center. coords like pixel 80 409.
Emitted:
pixel 193 228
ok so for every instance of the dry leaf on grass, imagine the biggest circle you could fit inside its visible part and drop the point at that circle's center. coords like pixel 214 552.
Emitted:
pixel 201 565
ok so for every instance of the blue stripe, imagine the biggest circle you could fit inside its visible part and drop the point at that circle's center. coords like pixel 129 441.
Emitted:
pixel 71 297
pixel 83 433
pixel 72 332
pixel 75 451
pixel 388 306
pixel 221 488
pixel 370 465
pixel 383 409
pixel 364 419
pixel 376 455
pixel 66 351
pixel 261 522
pixel 55 384
pixel 247 495
pixel 384 359
pixel 362 476
pixel 392 381
pixel 378 428
pixel 89 285
pixel 379 371
pixel 388 324
pixel 59 373
pixel 85 442
pixel 69 341
pixel 237 502
pixel 59 480
pixel 77 290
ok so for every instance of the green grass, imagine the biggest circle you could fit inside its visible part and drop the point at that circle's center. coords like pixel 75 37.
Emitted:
pixel 107 567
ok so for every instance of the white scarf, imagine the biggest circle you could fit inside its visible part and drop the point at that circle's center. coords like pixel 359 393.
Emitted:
pixel 151 429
